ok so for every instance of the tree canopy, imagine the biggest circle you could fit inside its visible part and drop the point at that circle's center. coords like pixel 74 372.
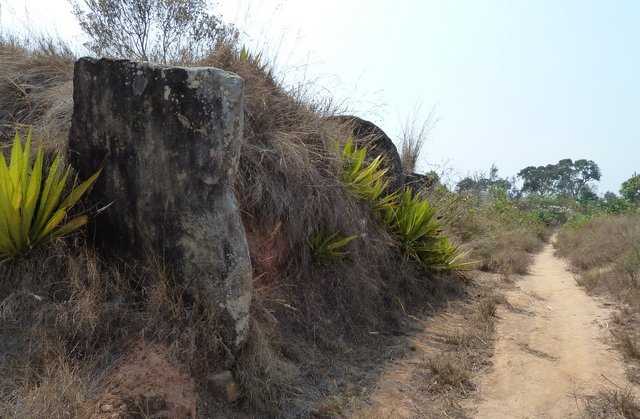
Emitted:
pixel 164 31
pixel 483 182
pixel 631 189
pixel 567 177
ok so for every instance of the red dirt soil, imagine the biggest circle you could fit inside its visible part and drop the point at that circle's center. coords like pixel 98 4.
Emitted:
pixel 145 384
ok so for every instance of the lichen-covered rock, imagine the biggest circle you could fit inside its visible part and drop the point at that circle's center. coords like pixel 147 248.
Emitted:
pixel 169 140
pixel 369 134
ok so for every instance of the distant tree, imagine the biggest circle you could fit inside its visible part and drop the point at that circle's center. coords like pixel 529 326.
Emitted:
pixel 587 196
pixel 631 189
pixel 481 183
pixel 585 171
pixel 614 204
pixel 466 185
pixel 165 31
pixel 610 196
pixel 537 180
pixel 566 178
pixel 562 177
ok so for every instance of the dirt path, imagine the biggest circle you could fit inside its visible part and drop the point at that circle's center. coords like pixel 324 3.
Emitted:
pixel 550 347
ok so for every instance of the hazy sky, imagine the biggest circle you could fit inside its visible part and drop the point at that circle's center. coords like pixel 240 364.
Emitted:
pixel 514 83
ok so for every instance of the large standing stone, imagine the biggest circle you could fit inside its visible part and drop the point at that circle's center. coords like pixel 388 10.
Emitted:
pixel 169 139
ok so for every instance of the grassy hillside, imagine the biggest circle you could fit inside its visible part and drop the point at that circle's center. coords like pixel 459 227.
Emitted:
pixel 72 314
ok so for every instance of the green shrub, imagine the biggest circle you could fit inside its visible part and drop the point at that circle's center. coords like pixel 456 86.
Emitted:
pixel 578 220
pixel 32 210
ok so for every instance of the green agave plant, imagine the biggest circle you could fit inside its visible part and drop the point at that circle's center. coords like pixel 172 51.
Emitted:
pixel 420 234
pixel 329 246
pixel 368 181
pixel 32 207
pixel 409 216
pixel 438 253
pixel 246 56
pixel 415 220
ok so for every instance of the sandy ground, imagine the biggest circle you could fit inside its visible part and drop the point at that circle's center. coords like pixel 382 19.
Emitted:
pixel 550 350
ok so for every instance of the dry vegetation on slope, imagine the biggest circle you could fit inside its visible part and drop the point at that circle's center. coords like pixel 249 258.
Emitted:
pixel 71 316
pixel 315 326
pixel 36 87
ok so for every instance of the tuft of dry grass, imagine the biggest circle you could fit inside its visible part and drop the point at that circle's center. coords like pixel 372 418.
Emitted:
pixel 67 316
pixel 612 404
pixel 36 87
pixel 628 344
pixel 507 250
pixel 449 371
pixel 59 391
pixel 415 134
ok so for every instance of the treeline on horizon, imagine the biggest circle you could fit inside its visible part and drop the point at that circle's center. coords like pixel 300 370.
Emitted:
pixel 567 185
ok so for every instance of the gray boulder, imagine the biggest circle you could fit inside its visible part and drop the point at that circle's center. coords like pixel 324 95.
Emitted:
pixel 168 139
pixel 368 134
pixel 422 182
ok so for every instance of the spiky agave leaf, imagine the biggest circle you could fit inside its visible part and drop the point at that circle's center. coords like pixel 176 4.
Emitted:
pixel 408 215
pixel 33 211
pixel 329 246
pixel 368 181
pixel 422 238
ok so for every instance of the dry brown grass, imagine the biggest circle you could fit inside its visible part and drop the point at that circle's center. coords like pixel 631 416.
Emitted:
pixel 36 87
pixel 53 333
pixel 612 404
pixel 605 252
pixel 450 372
pixel 446 376
pixel 60 391
pixel 67 316
pixel 415 134
pixel 629 345
pixel 599 242
pixel 507 251
pixel 501 237
pixel 444 357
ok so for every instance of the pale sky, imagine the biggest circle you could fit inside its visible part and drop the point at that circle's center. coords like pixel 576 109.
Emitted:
pixel 515 83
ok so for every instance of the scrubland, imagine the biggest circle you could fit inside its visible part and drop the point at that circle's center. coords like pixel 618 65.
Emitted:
pixel 500 235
